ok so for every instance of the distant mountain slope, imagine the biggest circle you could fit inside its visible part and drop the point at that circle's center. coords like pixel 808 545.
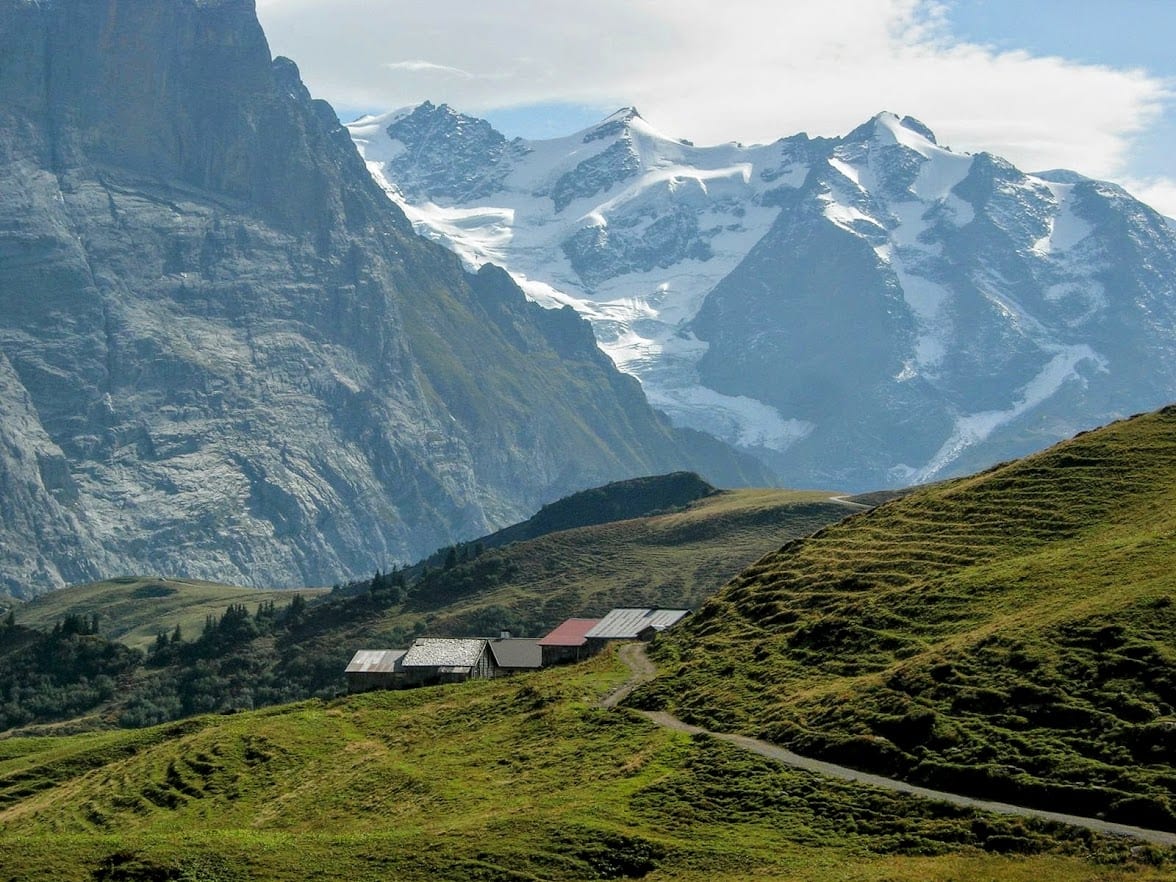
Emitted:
pixel 676 559
pixel 1010 635
pixel 134 610
pixel 618 501
pixel 223 352
pixel 863 312
pixel 930 313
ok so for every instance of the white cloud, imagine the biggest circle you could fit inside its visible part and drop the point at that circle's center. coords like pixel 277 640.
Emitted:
pixel 752 70
pixel 418 66
pixel 1159 193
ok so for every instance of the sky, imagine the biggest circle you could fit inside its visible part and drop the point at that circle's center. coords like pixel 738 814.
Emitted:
pixel 1088 85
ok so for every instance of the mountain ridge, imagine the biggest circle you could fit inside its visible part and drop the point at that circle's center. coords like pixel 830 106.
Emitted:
pixel 959 310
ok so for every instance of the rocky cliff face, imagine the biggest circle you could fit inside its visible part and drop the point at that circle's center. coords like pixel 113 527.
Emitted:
pixel 859 312
pixel 224 354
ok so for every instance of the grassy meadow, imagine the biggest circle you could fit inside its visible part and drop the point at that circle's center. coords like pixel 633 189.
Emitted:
pixel 672 560
pixel 1009 635
pixel 516 779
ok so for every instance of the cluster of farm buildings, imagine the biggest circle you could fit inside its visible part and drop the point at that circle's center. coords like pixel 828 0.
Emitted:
pixel 433 660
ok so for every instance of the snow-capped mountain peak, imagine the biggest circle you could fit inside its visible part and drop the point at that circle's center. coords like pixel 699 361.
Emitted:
pixel 614 124
pixel 716 274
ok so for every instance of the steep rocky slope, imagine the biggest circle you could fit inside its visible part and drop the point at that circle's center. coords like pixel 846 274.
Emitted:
pixel 223 352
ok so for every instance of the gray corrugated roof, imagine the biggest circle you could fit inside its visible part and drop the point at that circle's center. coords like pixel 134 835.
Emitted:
pixel 517 652
pixel 626 624
pixel 436 652
pixel 375 661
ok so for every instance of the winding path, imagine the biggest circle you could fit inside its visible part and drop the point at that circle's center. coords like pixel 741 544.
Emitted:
pixel 643 670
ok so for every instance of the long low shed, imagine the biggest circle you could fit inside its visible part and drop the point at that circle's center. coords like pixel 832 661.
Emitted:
pixel 374 669
pixel 433 660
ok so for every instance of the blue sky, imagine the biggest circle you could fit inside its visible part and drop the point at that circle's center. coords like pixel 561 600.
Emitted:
pixel 1117 33
pixel 1084 84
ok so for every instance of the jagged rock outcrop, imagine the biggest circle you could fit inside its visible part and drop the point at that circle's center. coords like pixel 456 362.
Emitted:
pixel 223 352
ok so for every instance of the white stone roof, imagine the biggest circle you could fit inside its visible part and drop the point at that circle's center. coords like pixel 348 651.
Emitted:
pixel 440 652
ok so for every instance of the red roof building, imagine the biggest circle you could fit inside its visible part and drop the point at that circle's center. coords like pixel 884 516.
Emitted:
pixel 568 642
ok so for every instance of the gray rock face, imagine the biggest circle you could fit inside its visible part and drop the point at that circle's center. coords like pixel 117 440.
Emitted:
pixel 224 354
pixel 453 156
pixel 617 162
pixel 643 242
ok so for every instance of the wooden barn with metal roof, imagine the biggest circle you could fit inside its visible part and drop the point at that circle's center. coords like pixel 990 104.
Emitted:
pixel 514 655
pixel 374 669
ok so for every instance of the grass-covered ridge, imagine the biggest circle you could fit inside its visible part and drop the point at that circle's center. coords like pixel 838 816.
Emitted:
pixel 618 501
pixel 292 652
pixel 675 559
pixel 1010 635
pixel 522 779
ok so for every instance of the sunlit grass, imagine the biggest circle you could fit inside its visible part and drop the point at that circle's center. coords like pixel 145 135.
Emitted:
pixel 1010 634
pixel 135 610
pixel 523 778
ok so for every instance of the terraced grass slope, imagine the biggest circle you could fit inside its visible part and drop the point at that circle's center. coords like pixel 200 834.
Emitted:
pixel 1009 635
pixel 675 560
pixel 134 610
pixel 520 779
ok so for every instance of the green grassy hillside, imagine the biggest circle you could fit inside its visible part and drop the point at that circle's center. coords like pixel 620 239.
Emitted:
pixel 529 585
pixel 134 610
pixel 258 656
pixel 518 779
pixel 618 501
pixel 1010 635
pixel 674 560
